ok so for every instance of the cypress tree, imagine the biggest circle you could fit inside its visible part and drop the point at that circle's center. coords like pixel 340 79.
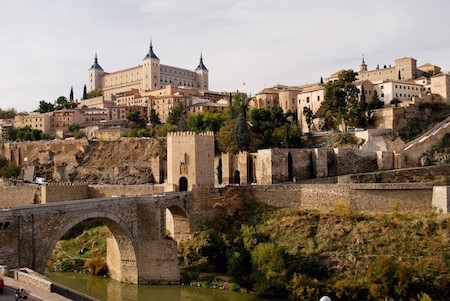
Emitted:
pixel 241 133
pixel 71 94
pixel 85 95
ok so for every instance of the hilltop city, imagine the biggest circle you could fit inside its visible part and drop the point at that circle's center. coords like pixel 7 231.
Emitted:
pixel 336 187
pixel 154 89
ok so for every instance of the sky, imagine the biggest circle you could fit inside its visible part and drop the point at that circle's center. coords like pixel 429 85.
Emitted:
pixel 47 46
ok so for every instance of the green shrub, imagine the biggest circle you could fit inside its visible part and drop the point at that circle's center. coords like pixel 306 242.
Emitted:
pixel 269 271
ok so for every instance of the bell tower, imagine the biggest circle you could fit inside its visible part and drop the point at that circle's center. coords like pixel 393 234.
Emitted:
pixel 151 70
pixel 363 66
pixel 95 76
pixel 202 75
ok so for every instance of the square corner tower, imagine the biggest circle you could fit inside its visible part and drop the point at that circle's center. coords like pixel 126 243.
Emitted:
pixel 190 160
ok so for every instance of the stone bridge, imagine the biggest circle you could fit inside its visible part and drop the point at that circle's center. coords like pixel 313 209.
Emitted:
pixel 139 252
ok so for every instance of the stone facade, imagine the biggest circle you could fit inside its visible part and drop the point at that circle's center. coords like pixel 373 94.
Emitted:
pixel 59 192
pixel 359 197
pixel 270 166
pixel 148 76
pixel 190 160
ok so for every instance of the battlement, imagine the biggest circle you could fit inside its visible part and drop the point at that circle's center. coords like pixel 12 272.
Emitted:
pixel 66 184
pixel 186 134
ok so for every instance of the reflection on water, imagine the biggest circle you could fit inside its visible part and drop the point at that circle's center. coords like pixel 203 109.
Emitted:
pixel 108 289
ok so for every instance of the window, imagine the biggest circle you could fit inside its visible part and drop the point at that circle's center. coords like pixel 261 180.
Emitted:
pixel 382 87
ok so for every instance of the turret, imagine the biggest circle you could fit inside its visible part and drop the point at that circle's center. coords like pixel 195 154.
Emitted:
pixel 363 66
pixel 151 70
pixel 202 75
pixel 95 75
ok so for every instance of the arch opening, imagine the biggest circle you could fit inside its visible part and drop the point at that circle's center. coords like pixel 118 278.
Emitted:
pixel 237 177
pixel 112 248
pixel 183 184
pixel 177 224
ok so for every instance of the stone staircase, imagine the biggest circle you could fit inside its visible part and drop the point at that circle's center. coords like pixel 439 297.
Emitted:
pixel 409 155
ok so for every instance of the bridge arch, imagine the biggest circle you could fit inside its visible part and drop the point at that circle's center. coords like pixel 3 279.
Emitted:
pixel 177 223
pixel 121 247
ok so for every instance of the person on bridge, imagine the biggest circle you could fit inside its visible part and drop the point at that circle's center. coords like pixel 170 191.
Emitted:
pixel 21 294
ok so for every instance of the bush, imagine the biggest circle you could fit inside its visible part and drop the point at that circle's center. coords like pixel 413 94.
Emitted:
pixel 269 271
pixel 304 288
pixel 96 266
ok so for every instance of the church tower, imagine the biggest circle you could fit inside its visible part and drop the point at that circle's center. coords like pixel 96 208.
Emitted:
pixel 95 76
pixel 151 71
pixel 202 75
pixel 363 66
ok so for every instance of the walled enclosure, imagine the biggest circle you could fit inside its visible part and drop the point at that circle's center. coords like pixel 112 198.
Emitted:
pixel 270 166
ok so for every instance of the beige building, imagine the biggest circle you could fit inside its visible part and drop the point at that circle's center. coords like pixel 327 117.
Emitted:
pixel 440 85
pixel 39 121
pixel 190 160
pixel 60 121
pixel 400 89
pixel 203 105
pixel 311 97
pixel 404 69
pixel 150 75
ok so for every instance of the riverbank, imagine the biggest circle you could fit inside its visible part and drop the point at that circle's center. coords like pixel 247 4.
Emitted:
pixel 305 254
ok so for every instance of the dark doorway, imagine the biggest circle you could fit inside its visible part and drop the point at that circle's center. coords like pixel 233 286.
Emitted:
pixel 183 184
pixel 290 167
pixel 237 177
pixel 219 171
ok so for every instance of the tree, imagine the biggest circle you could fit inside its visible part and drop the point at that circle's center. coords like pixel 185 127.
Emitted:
pixel 94 93
pixel 182 124
pixel 308 116
pixel 153 117
pixel 85 95
pixel 321 80
pixel 10 171
pixel 61 100
pixel 241 134
pixel 71 94
pixel 269 271
pixel 45 107
pixel 134 120
pixel 175 114
pixel 338 95
pixel 206 121
pixel 10 113
pixel 72 128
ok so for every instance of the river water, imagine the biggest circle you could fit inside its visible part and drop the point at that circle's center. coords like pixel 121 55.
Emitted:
pixel 105 288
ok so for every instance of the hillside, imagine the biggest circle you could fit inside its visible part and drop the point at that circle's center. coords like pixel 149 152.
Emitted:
pixel 127 161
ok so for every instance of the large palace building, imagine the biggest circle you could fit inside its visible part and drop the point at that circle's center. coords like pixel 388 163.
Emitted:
pixel 150 75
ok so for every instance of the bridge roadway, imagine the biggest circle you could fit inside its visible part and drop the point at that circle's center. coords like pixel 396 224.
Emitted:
pixel 139 251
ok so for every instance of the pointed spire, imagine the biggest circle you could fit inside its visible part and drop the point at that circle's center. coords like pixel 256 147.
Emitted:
pixel 96 65
pixel 363 59
pixel 201 66
pixel 150 53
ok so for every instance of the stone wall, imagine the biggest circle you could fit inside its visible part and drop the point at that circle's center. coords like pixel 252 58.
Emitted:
pixel 59 192
pixel 107 191
pixel 19 195
pixel 359 197
pixel 351 160
pixel 36 280
pixel 440 173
